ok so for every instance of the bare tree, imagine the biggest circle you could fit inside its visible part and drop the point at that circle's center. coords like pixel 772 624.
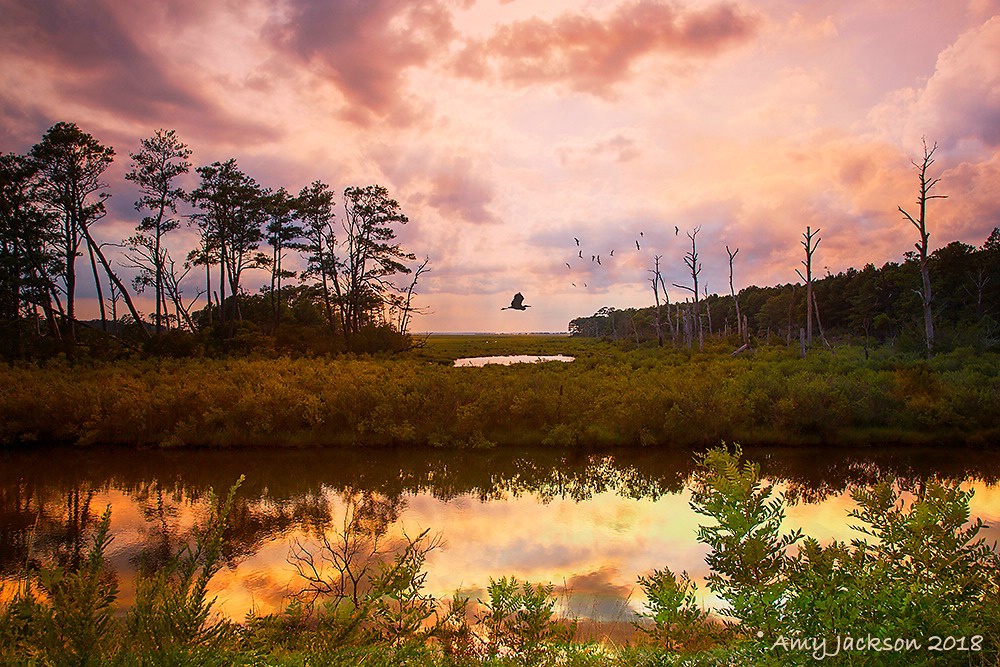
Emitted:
pixel 810 246
pixel 406 309
pixel 739 320
pixel 920 222
pixel 657 283
pixel 694 266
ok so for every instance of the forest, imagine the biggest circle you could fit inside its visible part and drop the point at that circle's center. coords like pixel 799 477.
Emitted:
pixel 52 200
pixel 870 306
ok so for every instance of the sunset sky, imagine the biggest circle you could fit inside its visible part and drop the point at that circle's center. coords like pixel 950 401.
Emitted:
pixel 507 127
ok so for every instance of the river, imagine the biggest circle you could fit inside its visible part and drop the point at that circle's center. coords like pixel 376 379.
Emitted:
pixel 589 522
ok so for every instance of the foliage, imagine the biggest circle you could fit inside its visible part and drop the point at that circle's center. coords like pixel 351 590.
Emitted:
pixel 674 619
pixel 519 620
pixel 749 553
pixel 649 397
pixel 70 619
pixel 171 619
pixel 924 572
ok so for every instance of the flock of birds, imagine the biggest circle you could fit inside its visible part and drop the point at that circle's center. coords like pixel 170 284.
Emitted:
pixel 517 303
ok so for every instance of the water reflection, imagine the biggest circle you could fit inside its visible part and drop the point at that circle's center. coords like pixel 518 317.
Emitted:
pixel 588 521
pixel 507 360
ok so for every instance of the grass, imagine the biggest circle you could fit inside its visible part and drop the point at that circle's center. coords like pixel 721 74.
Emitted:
pixel 608 396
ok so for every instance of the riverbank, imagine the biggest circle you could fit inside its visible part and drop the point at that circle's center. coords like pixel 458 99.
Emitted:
pixel 643 397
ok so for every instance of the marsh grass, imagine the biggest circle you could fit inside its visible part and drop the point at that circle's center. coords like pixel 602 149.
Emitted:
pixel 607 397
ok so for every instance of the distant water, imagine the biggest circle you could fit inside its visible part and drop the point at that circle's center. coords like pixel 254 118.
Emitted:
pixel 507 360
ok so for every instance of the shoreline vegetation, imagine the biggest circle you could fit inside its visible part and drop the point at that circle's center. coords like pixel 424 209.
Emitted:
pixel 916 587
pixel 609 396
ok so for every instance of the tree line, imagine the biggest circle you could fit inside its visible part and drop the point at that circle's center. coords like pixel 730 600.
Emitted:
pixel 347 296
pixel 950 296
pixel 868 305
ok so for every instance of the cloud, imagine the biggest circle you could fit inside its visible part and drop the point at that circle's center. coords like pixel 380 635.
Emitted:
pixel 593 54
pixel 101 61
pixel 960 101
pixel 364 47
pixel 617 147
pixel 452 185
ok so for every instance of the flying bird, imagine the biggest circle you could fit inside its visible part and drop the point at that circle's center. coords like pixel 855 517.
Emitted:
pixel 517 303
pixel 612 253
pixel 637 245
pixel 568 266
pixel 640 233
pixel 580 253
pixel 598 260
pixel 577 240
pixel 593 257
pixel 677 230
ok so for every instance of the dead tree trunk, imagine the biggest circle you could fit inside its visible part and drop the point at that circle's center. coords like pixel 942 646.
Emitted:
pixel 926 184
pixel 694 266
pixel 656 281
pixel 810 248
pixel 732 291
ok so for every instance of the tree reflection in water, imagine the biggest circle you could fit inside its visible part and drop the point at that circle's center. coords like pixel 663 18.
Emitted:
pixel 50 497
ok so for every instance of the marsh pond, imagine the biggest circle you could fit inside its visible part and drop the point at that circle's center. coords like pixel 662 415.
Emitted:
pixel 589 522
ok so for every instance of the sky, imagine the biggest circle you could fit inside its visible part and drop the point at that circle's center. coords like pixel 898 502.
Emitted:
pixel 505 128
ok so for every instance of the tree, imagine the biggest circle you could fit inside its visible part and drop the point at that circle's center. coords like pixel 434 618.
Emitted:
pixel 233 206
pixel 162 158
pixel 810 247
pixel 694 267
pixel 315 210
pixel 920 222
pixel 369 256
pixel 71 164
pixel 656 281
pixel 739 320
pixel 403 303
pixel 281 231
pixel 27 235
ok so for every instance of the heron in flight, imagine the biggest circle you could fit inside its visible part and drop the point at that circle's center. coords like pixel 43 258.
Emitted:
pixel 517 303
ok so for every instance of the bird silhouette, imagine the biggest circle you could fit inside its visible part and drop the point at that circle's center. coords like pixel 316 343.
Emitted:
pixel 568 266
pixel 637 245
pixel 612 253
pixel 517 303
pixel 598 260
pixel 640 234
pixel 677 230
pixel 593 257
pixel 580 253
pixel 577 240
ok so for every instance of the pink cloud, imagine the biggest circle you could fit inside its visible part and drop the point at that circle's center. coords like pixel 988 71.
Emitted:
pixel 364 48
pixel 591 54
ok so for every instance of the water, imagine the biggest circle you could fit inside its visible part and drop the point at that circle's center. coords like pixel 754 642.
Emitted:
pixel 589 522
pixel 507 360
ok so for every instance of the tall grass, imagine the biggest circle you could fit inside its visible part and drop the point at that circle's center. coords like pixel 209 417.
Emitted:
pixel 606 397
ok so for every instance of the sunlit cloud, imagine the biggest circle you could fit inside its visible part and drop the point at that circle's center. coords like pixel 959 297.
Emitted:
pixel 593 54
pixel 507 129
